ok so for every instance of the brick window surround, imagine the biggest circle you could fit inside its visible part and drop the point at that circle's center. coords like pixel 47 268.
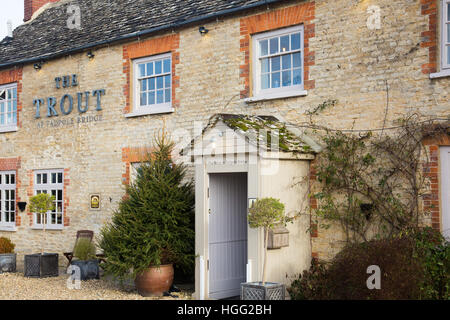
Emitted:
pixel 432 201
pixel 147 48
pixel 30 193
pixel 133 155
pixel 429 8
pixel 13 164
pixel 295 15
pixel 14 76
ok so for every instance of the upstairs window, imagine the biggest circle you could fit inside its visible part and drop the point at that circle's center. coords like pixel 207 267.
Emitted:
pixel 445 34
pixel 7 200
pixel 50 182
pixel 278 63
pixel 8 107
pixel 153 84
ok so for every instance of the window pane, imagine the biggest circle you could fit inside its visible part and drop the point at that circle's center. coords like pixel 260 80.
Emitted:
pixel 167 81
pixel 275 63
pixel 295 41
pixel 265 65
pixel 448 12
pixel 59 194
pixel 168 95
pixel 448 32
pixel 287 61
pixel 151 97
pixel 143 99
pixel 60 177
pixel 160 96
pixel 166 65
pixel 151 85
pixel 284 44
pixel 265 79
pixel 53 177
pixel 44 178
pixel 264 47
pixel 275 80
pixel 273 45
pixel 142 70
pixel 158 67
pixel 159 83
pixel 13 179
pixel 15 93
pixel 149 68
pixel 297 79
pixel 286 78
pixel 144 85
pixel 448 54
pixel 297 59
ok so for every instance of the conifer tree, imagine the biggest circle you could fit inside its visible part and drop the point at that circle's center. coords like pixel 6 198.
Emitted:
pixel 154 224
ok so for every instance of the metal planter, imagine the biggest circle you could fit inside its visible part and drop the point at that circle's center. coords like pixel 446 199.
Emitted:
pixel 88 270
pixel 41 265
pixel 7 262
pixel 258 291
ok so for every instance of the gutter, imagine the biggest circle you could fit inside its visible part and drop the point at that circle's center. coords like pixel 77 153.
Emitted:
pixel 140 33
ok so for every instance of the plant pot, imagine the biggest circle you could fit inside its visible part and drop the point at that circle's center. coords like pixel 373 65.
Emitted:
pixel 155 280
pixel 41 265
pixel 258 291
pixel 89 269
pixel 7 262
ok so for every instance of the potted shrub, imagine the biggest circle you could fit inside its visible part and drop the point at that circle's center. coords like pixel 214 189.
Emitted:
pixel 266 213
pixel 153 228
pixel 7 256
pixel 86 261
pixel 42 264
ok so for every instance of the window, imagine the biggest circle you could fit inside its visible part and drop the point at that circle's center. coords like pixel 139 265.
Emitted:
pixel 153 84
pixel 278 62
pixel 7 200
pixel 8 108
pixel 50 182
pixel 445 34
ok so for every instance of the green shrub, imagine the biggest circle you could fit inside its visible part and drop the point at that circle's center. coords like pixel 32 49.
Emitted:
pixel 413 266
pixel 84 249
pixel 6 246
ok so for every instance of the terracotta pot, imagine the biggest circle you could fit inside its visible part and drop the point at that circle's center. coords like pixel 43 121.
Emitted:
pixel 155 280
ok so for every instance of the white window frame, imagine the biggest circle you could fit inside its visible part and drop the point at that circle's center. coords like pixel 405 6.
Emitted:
pixel 48 187
pixel 7 226
pixel 282 92
pixel 445 43
pixel 11 126
pixel 139 110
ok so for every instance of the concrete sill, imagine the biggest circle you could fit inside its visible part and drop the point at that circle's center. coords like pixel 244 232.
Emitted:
pixel 8 229
pixel 146 113
pixel 47 228
pixel 273 96
pixel 8 129
pixel 441 74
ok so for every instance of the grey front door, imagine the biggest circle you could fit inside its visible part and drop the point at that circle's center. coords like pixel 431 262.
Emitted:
pixel 227 234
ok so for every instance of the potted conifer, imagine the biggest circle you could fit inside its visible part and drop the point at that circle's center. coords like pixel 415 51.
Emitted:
pixel 265 213
pixel 85 259
pixel 7 255
pixel 153 228
pixel 42 264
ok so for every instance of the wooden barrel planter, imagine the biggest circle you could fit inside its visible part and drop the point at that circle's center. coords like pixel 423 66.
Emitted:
pixel 7 262
pixel 41 265
pixel 155 281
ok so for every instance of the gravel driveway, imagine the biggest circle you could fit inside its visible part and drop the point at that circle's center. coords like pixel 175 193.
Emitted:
pixel 14 286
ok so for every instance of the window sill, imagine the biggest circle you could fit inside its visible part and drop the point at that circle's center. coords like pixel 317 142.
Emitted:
pixel 140 113
pixel 52 228
pixel 8 129
pixel 441 74
pixel 8 228
pixel 273 96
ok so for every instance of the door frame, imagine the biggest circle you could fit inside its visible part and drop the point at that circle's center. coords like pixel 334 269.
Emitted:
pixel 254 236
pixel 445 207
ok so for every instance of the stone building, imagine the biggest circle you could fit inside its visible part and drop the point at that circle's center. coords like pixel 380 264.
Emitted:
pixel 85 85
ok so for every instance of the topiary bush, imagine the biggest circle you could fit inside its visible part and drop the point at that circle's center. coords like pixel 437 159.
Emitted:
pixel 414 265
pixel 6 245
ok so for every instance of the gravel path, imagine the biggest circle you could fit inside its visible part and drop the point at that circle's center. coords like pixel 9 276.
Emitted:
pixel 14 286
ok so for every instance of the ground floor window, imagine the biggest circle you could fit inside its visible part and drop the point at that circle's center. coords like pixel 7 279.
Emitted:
pixel 7 198
pixel 50 182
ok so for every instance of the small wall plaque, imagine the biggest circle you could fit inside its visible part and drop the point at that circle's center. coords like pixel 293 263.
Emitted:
pixel 95 201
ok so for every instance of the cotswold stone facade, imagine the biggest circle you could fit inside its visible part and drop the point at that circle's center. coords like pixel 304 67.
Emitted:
pixel 344 59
